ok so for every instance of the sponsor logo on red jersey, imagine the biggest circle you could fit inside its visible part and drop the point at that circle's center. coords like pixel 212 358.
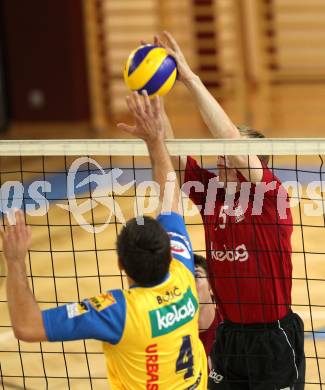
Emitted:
pixel 240 253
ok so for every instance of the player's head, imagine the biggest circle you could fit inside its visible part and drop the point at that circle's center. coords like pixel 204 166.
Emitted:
pixel 227 173
pixel 144 251
pixel 247 132
pixel 201 279
pixel 200 262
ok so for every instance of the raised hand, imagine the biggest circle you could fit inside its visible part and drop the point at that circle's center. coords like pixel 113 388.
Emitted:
pixel 16 239
pixel 149 123
pixel 185 73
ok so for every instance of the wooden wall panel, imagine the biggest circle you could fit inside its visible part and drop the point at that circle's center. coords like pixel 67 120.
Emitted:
pixel 248 53
pixel 46 60
pixel 119 28
pixel 297 38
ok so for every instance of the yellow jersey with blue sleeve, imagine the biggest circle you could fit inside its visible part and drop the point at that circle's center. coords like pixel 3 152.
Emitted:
pixel 150 334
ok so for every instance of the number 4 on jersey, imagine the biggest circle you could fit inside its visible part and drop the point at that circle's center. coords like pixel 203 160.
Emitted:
pixel 185 358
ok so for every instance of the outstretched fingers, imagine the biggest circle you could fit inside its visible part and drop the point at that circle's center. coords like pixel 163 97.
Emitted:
pixel 147 103
pixel 20 218
pixel 136 109
pixel 16 237
pixel 157 41
pixel 138 104
pixel 20 221
pixel 8 231
pixel 16 224
pixel 22 230
pixel 131 104
pixel 171 41
pixel 156 106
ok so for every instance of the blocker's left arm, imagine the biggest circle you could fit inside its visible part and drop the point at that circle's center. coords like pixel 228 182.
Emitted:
pixel 25 315
pixel 221 126
pixel 214 116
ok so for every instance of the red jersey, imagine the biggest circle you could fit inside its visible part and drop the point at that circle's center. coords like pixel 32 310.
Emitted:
pixel 248 253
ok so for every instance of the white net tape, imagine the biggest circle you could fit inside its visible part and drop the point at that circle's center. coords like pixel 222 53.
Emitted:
pixel 177 147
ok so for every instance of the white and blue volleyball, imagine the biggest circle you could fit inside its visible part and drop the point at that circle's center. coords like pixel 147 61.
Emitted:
pixel 150 68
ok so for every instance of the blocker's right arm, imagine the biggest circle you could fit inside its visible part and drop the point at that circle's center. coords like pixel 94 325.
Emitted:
pixel 149 125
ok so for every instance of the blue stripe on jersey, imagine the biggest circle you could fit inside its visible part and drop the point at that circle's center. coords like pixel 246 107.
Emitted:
pixel 104 325
pixel 139 56
pixel 181 247
pixel 160 77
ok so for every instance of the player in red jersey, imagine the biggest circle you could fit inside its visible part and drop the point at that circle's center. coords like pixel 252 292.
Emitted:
pixel 260 343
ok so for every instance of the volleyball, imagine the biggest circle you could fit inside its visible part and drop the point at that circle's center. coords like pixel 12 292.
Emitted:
pixel 150 68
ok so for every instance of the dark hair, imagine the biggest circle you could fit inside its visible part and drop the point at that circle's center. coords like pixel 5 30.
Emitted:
pixel 200 261
pixel 252 133
pixel 144 251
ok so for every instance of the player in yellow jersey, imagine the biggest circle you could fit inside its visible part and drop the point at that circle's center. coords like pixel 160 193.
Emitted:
pixel 149 331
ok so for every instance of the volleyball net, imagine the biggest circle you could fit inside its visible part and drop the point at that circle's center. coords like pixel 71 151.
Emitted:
pixel 77 195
